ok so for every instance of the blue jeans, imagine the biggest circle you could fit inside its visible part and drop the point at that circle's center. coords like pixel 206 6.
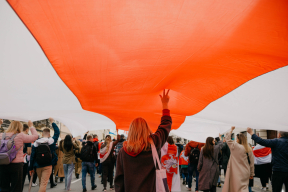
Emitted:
pixel 185 177
pixel 250 189
pixel 68 171
pixel 191 169
pixel 88 167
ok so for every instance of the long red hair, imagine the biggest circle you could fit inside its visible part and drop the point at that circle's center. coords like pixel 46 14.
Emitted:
pixel 138 136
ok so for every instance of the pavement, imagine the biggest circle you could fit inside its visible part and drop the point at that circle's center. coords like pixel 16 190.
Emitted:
pixel 76 185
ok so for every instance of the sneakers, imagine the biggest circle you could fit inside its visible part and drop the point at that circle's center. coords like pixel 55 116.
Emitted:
pixel 219 185
pixel 94 187
pixel 34 184
pixel 104 189
pixel 184 182
pixel 264 188
pixel 111 187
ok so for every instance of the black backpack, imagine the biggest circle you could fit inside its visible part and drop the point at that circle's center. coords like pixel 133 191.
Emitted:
pixel 194 155
pixel 87 153
pixel 43 154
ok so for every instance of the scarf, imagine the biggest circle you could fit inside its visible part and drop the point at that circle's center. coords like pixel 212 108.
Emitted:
pixel 103 154
pixel 262 155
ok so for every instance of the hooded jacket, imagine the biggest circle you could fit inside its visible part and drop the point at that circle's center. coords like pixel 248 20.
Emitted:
pixel 52 145
pixel 279 149
pixel 136 171
pixel 191 145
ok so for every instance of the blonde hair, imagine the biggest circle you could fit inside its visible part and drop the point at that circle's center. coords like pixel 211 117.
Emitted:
pixel 243 141
pixel 15 127
pixel 138 136
pixel 107 142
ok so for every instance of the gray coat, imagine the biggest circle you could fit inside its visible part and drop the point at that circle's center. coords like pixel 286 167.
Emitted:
pixel 209 169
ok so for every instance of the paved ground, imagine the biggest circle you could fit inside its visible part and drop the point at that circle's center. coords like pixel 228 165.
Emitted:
pixel 77 185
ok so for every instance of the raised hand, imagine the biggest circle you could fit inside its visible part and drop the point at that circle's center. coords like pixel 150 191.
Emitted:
pixel 250 131
pixel 30 124
pixel 165 99
pixel 232 128
pixel 51 120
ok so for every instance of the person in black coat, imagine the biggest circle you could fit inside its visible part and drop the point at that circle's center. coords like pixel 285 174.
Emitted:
pixel 225 155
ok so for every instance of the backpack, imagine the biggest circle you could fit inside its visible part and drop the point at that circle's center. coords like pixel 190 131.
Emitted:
pixel 118 147
pixel 43 154
pixel 7 149
pixel 87 153
pixel 194 155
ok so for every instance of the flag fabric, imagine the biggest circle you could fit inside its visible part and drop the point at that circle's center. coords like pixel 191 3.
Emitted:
pixel 262 155
pixel 170 162
pixel 100 64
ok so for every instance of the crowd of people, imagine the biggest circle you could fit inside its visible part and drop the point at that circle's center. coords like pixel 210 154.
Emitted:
pixel 141 159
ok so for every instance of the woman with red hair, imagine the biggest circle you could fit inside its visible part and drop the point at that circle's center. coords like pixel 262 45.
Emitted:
pixel 135 169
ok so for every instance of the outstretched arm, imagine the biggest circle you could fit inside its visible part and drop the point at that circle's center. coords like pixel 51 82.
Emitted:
pixel 85 136
pixel 264 142
pixel 231 144
pixel 30 138
pixel 164 128
pixel 56 130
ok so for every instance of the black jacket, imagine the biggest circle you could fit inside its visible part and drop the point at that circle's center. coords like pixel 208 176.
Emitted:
pixel 94 157
pixel 225 155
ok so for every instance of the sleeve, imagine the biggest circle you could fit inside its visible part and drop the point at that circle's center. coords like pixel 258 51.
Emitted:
pixel 251 157
pixel 161 135
pixel 200 163
pixel 85 136
pixel 30 138
pixel 119 177
pixel 75 145
pixel 265 142
pixel 187 150
pixel 231 144
pixel 56 132
pixel 32 158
